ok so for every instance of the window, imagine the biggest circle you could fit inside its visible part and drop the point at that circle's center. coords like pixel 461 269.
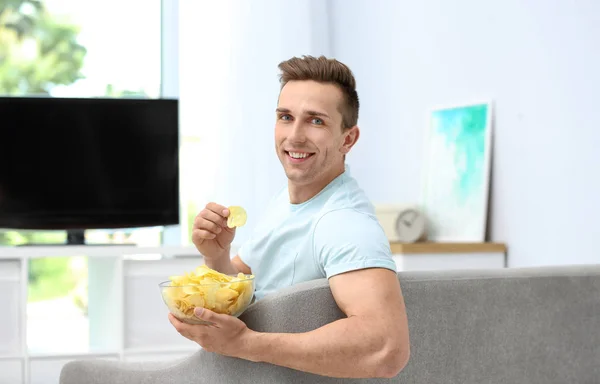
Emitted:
pixel 74 48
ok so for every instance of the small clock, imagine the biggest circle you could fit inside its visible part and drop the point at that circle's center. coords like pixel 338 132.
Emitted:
pixel 401 223
pixel 410 225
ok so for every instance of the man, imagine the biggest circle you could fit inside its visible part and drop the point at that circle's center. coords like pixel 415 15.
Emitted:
pixel 321 225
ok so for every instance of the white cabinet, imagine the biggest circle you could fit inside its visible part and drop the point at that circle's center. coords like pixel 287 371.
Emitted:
pixel 11 371
pixel 126 318
pixel 444 256
pixel 11 332
pixel 146 323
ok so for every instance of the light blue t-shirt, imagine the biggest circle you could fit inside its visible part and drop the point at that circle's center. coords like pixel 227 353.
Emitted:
pixel 334 232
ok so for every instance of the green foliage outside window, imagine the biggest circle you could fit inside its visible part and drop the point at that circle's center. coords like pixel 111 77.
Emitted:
pixel 37 50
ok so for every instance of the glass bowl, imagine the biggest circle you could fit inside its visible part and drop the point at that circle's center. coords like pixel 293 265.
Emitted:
pixel 230 298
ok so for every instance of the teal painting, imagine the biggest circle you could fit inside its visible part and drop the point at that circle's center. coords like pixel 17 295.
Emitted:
pixel 457 172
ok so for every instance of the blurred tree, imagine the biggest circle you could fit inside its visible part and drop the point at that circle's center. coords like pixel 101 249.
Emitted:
pixel 112 91
pixel 37 50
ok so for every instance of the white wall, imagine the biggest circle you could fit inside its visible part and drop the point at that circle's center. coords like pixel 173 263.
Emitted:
pixel 540 62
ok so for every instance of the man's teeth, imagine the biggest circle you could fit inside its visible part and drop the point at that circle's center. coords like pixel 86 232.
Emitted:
pixel 297 155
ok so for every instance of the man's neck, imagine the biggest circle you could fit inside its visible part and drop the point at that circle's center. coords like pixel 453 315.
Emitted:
pixel 302 193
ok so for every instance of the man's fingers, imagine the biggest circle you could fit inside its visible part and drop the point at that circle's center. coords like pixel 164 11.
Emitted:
pixel 179 325
pixel 199 235
pixel 207 315
pixel 196 333
pixel 202 223
pixel 209 220
pixel 213 217
pixel 218 209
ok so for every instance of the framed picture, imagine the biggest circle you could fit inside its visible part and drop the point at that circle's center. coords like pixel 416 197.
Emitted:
pixel 457 172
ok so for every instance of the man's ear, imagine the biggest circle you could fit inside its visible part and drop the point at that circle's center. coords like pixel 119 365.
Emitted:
pixel 351 136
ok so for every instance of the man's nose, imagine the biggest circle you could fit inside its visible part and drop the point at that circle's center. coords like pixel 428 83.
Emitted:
pixel 298 132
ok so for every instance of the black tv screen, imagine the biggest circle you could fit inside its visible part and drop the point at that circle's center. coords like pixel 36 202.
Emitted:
pixel 69 163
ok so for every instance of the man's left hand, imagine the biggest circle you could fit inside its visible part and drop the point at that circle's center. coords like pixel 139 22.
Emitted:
pixel 227 335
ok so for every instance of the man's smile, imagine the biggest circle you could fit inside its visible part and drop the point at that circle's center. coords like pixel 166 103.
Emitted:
pixel 297 157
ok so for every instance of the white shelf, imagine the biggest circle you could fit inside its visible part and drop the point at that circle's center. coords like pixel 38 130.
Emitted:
pixel 443 256
pixel 127 318
pixel 10 252
pixel 10 357
pixel 11 371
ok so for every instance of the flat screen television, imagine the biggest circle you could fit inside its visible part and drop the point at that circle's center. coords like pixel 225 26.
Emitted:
pixel 88 163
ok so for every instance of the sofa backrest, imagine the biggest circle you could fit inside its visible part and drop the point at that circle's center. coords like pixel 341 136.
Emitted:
pixel 527 325
pixel 532 325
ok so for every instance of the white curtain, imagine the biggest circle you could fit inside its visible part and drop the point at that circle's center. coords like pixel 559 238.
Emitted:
pixel 229 51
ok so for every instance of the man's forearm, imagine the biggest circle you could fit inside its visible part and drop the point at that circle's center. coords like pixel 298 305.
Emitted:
pixel 348 348
pixel 221 263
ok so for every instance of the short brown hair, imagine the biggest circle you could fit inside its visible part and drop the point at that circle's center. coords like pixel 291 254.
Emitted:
pixel 325 70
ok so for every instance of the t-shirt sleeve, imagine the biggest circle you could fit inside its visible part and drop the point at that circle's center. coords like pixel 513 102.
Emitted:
pixel 347 240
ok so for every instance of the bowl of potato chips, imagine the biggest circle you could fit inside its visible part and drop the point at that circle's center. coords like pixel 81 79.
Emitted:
pixel 209 289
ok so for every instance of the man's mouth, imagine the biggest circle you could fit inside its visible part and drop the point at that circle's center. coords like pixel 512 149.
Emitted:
pixel 298 157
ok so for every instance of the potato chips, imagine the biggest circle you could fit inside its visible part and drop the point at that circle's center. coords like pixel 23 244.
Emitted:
pixel 237 217
pixel 209 289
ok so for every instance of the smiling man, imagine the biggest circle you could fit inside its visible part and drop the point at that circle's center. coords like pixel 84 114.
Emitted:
pixel 321 225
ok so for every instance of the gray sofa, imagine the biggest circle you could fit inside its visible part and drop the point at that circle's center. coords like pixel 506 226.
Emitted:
pixel 530 325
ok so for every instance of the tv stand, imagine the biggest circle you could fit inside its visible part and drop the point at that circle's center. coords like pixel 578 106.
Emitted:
pixel 76 237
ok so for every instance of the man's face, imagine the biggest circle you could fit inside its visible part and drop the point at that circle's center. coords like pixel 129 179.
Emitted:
pixel 309 138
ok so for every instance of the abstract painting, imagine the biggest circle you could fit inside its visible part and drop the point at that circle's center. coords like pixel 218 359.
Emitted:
pixel 457 172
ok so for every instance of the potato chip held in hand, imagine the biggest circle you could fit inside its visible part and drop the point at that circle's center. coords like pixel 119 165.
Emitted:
pixel 207 288
pixel 237 216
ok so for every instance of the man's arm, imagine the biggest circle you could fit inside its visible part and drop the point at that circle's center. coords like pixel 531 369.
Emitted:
pixel 240 266
pixel 373 341
pixel 228 266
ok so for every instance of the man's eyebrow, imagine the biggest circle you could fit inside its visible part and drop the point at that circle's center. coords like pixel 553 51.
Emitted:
pixel 315 113
pixel 310 113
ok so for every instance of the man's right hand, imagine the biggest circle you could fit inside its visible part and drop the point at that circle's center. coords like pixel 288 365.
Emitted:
pixel 211 235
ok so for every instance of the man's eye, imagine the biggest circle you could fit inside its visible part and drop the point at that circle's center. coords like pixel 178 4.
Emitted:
pixel 317 121
pixel 285 117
